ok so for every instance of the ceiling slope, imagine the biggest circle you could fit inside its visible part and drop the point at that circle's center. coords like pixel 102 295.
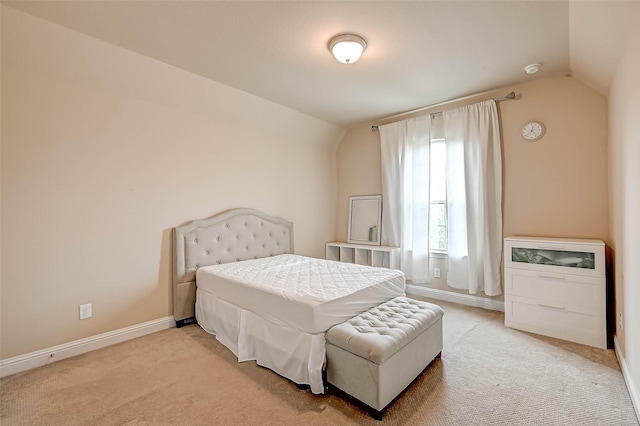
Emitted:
pixel 418 54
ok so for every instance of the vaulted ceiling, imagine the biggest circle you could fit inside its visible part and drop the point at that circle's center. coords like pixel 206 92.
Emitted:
pixel 419 53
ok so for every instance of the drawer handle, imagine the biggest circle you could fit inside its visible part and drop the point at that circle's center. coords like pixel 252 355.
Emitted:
pixel 553 277
pixel 549 305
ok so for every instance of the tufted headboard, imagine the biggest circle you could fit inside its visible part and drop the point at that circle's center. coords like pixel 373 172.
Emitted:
pixel 231 236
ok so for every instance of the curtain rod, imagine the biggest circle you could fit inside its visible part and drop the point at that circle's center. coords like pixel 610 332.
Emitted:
pixel 507 97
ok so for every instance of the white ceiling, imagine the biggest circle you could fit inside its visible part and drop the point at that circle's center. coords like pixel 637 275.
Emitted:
pixel 419 53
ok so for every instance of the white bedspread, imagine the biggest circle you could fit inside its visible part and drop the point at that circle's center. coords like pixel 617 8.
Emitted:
pixel 275 310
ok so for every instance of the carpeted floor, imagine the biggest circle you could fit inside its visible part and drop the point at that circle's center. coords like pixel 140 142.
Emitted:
pixel 488 375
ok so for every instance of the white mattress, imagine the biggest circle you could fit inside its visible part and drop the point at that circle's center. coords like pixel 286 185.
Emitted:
pixel 307 294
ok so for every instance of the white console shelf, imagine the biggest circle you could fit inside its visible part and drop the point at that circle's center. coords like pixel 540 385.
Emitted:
pixel 381 256
pixel 556 287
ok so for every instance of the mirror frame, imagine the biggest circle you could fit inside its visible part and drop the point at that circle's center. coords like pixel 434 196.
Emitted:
pixel 352 199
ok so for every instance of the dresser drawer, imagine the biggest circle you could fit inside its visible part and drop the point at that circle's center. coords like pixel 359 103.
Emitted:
pixel 584 257
pixel 566 322
pixel 557 289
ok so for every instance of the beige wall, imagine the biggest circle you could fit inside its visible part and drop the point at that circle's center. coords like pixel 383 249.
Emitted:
pixel 556 187
pixel 104 151
pixel 358 159
pixel 624 191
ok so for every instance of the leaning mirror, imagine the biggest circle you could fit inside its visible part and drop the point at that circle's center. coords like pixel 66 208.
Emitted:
pixel 365 213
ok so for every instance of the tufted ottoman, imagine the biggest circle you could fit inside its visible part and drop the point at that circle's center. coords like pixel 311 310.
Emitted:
pixel 377 354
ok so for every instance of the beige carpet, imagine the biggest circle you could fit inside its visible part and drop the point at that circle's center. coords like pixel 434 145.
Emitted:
pixel 488 375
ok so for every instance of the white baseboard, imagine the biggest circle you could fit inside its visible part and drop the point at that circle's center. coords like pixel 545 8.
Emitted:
pixel 463 299
pixel 42 357
pixel 631 385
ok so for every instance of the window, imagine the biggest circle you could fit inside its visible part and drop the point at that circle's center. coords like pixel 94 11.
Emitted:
pixel 438 208
pixel 438 187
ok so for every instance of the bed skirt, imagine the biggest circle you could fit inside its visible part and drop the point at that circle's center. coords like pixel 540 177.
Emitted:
pixel 292 353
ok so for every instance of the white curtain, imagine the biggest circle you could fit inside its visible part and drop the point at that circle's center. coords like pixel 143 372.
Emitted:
pixel 474 197
pixel 405 193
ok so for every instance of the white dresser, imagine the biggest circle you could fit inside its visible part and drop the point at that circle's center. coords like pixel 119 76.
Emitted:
pixel 556 287
pixel 382 256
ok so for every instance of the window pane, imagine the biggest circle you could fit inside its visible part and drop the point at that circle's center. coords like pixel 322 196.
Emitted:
pixel 438 187
pixel 438 182
pixel 438 226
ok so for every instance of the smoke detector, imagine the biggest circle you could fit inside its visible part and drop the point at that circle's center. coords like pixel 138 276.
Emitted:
pixel 532 68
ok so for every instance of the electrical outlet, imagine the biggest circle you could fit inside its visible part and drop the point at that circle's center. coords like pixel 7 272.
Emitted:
pixel 85 311
pixel 436 272
pixel 620 321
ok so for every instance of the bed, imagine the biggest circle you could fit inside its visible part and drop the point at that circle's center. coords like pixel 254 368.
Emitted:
pixel 237 274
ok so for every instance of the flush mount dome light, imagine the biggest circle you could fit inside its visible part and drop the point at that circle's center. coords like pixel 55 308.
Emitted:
pixel 347 48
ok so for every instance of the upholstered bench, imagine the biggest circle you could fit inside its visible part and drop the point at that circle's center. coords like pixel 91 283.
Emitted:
pixel 374 356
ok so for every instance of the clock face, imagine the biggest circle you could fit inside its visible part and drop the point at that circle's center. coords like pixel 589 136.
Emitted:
pixel 533 131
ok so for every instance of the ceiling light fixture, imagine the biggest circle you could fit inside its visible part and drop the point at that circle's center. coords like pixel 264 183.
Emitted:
pixel 532 68
pixel 347 48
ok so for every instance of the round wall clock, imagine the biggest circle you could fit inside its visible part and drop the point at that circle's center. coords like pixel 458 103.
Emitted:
pixel 533 131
